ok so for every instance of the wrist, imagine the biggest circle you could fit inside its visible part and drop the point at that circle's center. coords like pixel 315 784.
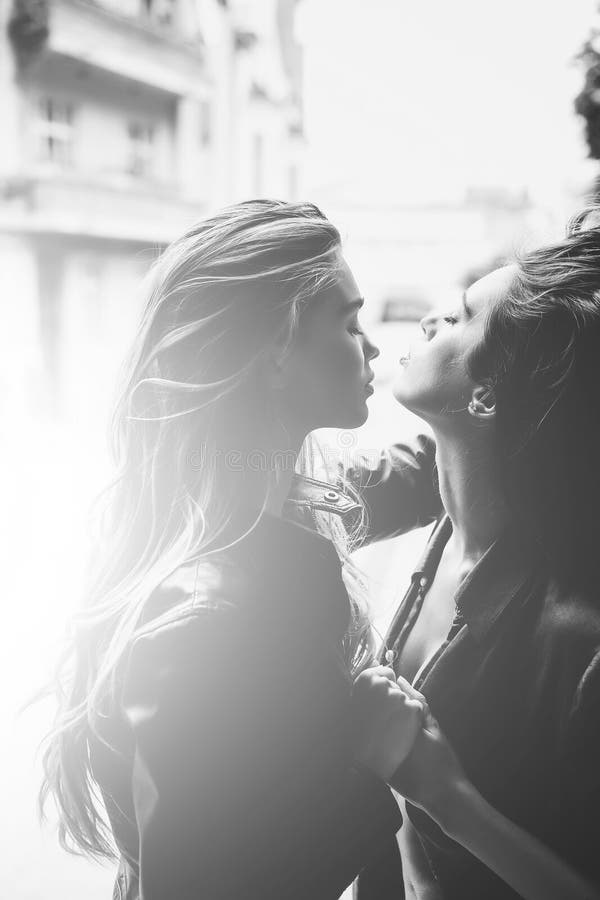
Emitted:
pixel 453 808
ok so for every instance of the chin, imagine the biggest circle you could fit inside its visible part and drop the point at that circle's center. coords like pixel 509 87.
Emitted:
pixel 403 390
pixel 399 391
pixel 363 413
pixel 354 419
pixel 363 417
pixel 413 403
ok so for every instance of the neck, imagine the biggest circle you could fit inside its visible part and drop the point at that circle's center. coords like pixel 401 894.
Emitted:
pixel 470 492
pixel 282 471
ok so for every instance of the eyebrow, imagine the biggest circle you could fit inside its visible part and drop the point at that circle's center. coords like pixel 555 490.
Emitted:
pixel 468 312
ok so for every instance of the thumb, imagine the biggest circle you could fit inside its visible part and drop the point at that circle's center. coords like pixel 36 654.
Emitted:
pixel 430 723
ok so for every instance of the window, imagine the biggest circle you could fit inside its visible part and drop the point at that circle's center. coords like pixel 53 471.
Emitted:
pixel 55 131
pixel 141 149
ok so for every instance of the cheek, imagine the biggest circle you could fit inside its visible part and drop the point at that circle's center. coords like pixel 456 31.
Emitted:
pixel 326 372
pixel 435 376
pixel 325 362
pixel 335 360
pixel 430 363
pixel 345 356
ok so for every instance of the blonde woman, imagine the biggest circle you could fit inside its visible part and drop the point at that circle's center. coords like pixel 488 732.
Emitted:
pixel 205 735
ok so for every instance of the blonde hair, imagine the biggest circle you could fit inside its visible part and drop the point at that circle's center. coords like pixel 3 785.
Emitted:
pixel 220 298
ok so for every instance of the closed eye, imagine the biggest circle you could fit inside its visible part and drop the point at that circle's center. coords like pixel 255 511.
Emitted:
pixel 452 320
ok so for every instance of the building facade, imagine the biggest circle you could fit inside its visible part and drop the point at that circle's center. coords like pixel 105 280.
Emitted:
pixel 124 121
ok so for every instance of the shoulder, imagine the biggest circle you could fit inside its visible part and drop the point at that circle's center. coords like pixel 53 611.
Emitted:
pixel 192 614
pixel 193 589
pixel 566 658
pixel 568 641
pixel 173 669
pixel 572 618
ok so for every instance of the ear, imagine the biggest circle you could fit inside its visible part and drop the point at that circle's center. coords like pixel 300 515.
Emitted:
pixel 482 404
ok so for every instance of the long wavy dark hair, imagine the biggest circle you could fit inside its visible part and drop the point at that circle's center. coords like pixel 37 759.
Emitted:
pixel 220 299
pixel 541 356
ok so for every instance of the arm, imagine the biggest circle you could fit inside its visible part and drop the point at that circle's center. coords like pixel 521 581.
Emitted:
pixel 516 856
pixel 239 788
pixel 399 487
pixel 433 779
pixel 419 884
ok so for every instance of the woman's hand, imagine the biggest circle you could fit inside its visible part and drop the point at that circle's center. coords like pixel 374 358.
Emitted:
pixel 431 776
pixel 387 721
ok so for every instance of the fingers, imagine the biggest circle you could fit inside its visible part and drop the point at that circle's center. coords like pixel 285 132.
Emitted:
pixel 412 692
pixel 399 704
pixel 376 675
pixel 377 690
pixel 374 689
pixel 404 723
pixel 383 671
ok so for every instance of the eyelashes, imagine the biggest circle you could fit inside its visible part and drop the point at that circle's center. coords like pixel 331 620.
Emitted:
pixel 355 329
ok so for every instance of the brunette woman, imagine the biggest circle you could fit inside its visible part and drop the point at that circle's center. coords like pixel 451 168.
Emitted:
pixel 500 627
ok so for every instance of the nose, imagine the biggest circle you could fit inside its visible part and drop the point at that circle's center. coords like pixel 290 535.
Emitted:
pixel 427 323
pixel 371 350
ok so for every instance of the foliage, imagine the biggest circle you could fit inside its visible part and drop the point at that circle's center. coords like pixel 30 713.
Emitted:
pixel 587 101
pixel 28 28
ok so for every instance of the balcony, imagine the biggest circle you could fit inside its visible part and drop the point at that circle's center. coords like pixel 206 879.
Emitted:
pixel 130 46
pixel 76 205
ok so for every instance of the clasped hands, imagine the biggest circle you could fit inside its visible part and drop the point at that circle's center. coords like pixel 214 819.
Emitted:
pixel 398 739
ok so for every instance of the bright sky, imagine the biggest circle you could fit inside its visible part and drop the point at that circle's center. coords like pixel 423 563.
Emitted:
pixel 414 100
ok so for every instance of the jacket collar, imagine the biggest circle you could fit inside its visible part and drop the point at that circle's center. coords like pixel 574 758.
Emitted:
pixel 308 494
pixel 279 538
pixel 496 580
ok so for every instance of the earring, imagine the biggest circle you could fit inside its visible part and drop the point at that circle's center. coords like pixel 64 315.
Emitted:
pixel 479 410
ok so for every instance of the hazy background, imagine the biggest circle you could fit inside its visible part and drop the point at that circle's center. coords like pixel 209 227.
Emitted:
pixel 438 136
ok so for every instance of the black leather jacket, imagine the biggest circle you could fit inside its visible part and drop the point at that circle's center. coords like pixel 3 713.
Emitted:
pixel 225 763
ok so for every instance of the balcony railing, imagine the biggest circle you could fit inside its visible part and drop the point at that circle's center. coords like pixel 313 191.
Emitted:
pixel 68 204
pixel 132 40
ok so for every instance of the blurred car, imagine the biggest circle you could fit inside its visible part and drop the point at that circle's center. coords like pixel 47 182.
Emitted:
pixel 407 306
pixel 398 324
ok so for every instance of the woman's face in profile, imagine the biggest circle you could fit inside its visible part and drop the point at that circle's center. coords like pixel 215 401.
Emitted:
pixel 328 372
pixel 433 380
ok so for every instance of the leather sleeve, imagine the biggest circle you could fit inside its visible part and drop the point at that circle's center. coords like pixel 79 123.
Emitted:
pixel 241 778
pixel 580 806
pixel 399 487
